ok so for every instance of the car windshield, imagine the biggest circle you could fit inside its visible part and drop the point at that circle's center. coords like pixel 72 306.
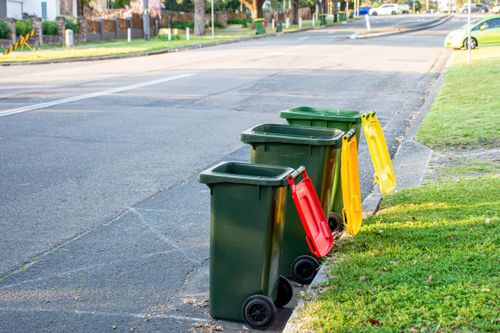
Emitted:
pixel 472 24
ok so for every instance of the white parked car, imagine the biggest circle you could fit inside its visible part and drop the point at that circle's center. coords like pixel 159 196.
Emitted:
pixel 404 9
pixel 387 9
pixel 496 10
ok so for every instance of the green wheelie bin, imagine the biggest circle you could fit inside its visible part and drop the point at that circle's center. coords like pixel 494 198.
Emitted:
pixel 259 26
pixel 322 19
pixel 293 146
pixel 344 120
pixel 248 203
pixel 279 26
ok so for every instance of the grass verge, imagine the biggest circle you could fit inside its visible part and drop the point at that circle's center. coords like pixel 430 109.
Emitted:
pixel 427 262
pixel 118 47
pixel 464 113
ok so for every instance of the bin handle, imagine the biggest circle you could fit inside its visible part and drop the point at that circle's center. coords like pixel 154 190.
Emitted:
pixel 310 243
pixel 299 171
pixel 349 134
pixel 368 114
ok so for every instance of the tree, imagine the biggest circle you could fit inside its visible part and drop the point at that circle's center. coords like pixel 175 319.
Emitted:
pixel 255 7
pixel 79 7
pixel 295 11
pixel 199 17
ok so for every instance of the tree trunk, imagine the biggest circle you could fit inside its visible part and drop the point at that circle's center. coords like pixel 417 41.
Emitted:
pixel 199 17
pixel 260 12
pixel 79 7
pixel 255 7
pixel 295 11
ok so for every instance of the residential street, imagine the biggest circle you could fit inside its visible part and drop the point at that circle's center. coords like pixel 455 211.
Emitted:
pixel 104 226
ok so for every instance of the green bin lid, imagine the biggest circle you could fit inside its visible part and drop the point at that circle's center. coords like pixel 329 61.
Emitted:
pixel 309 113
pixel 304 135
pixel 245 173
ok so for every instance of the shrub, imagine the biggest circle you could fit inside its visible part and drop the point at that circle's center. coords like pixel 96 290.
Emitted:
pixel 4 30
pixel 183 25
pixel 216 25
pixel 49 28
pixel 242 22
pixel 23 27
pixel 118 4
pixel 72 23
pixel 165 38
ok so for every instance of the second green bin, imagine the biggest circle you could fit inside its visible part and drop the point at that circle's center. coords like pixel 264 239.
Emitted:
pixel 344 120
pixel 292 146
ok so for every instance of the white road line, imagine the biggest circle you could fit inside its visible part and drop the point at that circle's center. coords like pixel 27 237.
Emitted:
pixel 305 37
pixel 92 95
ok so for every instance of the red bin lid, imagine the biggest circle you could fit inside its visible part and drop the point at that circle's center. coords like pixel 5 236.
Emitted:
pixel 318 234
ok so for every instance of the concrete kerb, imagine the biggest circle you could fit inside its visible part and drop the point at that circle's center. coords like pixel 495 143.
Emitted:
pixel 157 52
pixel 417 27
pixel 409 152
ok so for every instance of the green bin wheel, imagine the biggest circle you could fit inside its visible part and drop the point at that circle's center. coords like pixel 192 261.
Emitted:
pixel 285 292
pixel 336 223
pixel 304 269
pixel 259 311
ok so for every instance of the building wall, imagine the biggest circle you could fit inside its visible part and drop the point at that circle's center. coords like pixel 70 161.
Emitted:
pixel 3 9
pixel 34 7
pixel 15 9
pixel 66 7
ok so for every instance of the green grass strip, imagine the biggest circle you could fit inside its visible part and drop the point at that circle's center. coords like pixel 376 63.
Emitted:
pixel 427 262
pixel 465 113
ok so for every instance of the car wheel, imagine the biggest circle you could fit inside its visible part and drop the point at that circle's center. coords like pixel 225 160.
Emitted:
pixel 465 11
pixel 483 11
pixel 374 14
pixel 473 43
pixel 393 13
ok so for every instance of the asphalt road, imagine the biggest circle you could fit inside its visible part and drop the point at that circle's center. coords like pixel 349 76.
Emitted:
pixel 103 225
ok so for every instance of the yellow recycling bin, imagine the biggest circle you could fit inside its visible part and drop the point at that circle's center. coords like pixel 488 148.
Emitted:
pixel 384 173
pixel 351 193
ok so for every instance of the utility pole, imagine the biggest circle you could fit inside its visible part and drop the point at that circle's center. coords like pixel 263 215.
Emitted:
pixel 145 20
pixel 469 55
pixel 213 32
